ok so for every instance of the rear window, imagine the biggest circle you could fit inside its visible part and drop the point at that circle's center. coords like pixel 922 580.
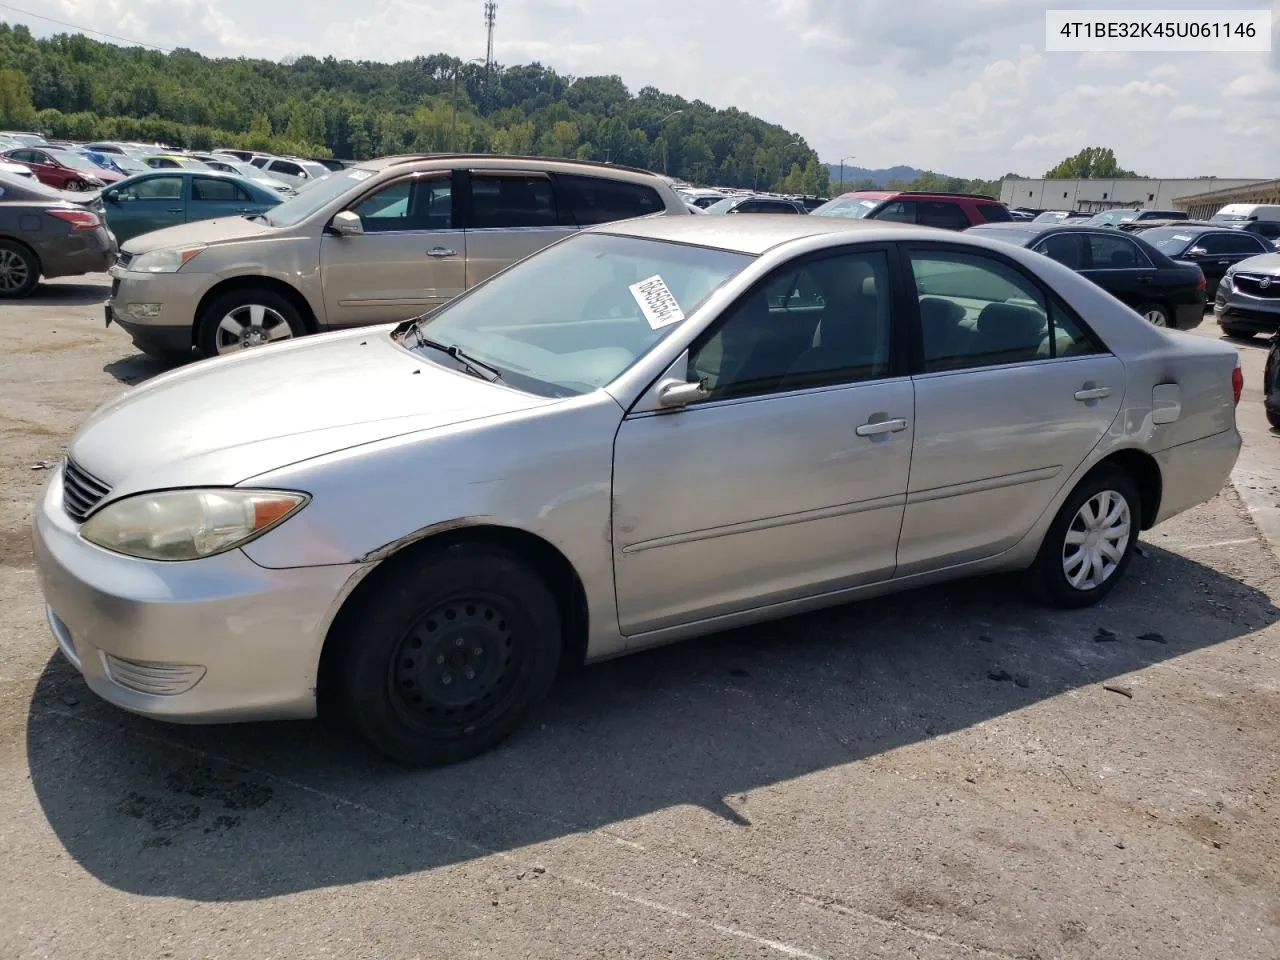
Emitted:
pixel 597 200
pixel 999 213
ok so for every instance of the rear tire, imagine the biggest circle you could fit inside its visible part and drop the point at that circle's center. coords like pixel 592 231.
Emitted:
pixel 446 655
pixel 1237 333
pixel 1156 314
pixel 1090 542
pixel 19 270
pixel 260 316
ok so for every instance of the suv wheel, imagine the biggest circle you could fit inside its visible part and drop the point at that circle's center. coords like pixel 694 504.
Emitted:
pixel 249 317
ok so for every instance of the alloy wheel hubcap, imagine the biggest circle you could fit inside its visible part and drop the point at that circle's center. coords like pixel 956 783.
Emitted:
pixel 251 325
pixel 13 271
pixel 1155 317
pixel 1096 540
pixel 455 663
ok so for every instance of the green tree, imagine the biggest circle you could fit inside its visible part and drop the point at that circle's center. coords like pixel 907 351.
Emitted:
pixel 16 109
pixel 564 138
pixel 1091 163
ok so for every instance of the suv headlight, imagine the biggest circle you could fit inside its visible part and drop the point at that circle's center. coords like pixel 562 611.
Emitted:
pixel 189 524
pixel 165 261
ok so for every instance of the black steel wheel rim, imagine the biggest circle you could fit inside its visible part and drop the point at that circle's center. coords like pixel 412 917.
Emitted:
pixel 456 665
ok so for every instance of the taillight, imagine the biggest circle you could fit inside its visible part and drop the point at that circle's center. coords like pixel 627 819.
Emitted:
pixel 1237 383
pixel 1201 284
pixel 79 219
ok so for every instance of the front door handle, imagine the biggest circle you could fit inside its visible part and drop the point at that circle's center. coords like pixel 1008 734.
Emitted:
pixel 1093 393
pixel 174 209
pixel 1144 279
pixel 441 252
pixel 881 427
pixel 1223 261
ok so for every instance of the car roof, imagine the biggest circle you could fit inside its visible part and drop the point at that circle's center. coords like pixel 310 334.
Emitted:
pixel 486 161
pixel 754 233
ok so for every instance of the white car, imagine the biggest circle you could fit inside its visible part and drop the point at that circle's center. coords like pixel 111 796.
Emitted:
pixel 294 171
pixel 16 169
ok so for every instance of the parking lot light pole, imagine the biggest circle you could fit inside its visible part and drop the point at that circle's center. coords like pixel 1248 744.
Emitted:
pixel 453 124
pixel 661 126
pixel 842 160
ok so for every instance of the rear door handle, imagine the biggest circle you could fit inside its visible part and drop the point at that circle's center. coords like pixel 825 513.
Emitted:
pixel 1093 393
pixel 881 427
pixel 174 209
pixel 1144 279
pixel 441 252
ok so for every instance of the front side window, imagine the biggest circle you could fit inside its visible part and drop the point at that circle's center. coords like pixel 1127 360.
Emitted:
pixel 1115 252
pixel 413 204
pixel 153 188
pixel 999 213
pixel 899 211
pixel 819 323
pixel 511 201
pixel 573 317
pixel 976 311
pixel 1232 243
pixel 286 168
pixel 597 200
pixel 207 188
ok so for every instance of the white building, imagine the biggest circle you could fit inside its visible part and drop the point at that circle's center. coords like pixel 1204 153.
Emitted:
pixel 1090 196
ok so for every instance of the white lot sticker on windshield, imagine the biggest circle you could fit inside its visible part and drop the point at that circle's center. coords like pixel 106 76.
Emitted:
pixel 360 174
pixel 1178 236
pixel 657 303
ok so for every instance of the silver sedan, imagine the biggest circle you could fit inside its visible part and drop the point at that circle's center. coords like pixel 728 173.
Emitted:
pixel 649 431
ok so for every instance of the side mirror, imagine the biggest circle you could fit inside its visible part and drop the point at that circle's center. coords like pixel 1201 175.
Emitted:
pixel 679 393
pixel 1197 252
pixel 110 196
pixel 347 224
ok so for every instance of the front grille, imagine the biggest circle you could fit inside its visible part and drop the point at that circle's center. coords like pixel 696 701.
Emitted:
pixel 122 259
pixel 81 491
pixel 1252 285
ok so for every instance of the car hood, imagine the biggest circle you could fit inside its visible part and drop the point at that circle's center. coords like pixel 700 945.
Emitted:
pixel 1262 263
pixel 218 422
pixel 220 230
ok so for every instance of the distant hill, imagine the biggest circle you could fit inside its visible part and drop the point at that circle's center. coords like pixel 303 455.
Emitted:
pixel 880 177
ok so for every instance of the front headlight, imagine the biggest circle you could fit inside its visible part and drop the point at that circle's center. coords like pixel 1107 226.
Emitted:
pixel 189 524
pixel 165 261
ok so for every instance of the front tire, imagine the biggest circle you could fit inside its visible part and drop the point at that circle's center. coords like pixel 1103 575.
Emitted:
pixel 19 270
pixel 1090 542
pixel 246 318
pixel 446 655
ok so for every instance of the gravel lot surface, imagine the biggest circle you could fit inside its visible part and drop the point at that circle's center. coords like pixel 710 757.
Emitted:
pixel 951 773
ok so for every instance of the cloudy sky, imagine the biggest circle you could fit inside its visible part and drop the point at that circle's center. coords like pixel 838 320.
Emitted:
pixel 959 86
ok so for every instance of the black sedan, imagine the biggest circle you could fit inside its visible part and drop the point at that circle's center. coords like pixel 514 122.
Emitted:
pixel 1167 293
pixel 1210 246
pixel 42 233
pixel 756 204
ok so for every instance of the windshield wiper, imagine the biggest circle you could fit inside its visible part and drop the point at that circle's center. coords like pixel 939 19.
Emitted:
pixel 477 368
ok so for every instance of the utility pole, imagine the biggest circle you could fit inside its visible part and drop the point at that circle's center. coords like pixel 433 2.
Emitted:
pixel 490 18
pixel 662 126
pixel 842 160
pixel 453 125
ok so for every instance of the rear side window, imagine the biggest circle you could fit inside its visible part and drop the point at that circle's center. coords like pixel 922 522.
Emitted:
pixel 1115 252
pixel 207 188
pixel 941 213
pixel 994 212
pixel 1066 248
pixel 511 201
pixel 597 200
pixel 285 167
pixel 153 188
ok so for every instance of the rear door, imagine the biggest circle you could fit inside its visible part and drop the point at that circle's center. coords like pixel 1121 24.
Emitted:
pixel 1120 266
pixel 215 197
pixel 409 260
pixel 1012 394
pixel 145 204
pixel 509 214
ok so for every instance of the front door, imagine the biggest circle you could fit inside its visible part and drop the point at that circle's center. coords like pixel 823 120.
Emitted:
pixel 788 481
pixel 1014 394
pixel 409 260
pixel 145 204
pixel 510 215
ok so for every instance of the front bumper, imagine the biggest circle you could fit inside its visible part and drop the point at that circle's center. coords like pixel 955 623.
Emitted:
pixel 247 639
pixel 1253 314
pixel 178 295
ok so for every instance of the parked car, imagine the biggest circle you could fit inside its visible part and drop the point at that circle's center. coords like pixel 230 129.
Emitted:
pixel 702 198
pixel 294 170
pixel 1166 293
pixel 243 155
pixel 24 138
pixel 152 201
pixel 380 242
pixel 42 234
pixel 333 164
pixel 752 203
pixel 14 169
pixel 1211 247
pixel 1059 216
pixel 205 560
pixel 1271 382
pixel 950 211
pixel 229 164
pixel 1246 215
pixel 62 169
pixel 1248 298
pixel 1114 218
pixel 173 161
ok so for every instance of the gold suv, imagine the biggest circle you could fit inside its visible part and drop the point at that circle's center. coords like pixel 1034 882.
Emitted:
pixel 383 241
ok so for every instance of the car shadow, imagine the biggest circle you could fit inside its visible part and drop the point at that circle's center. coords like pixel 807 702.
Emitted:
pixel 67 295
pixel 139 367
pixel 253 811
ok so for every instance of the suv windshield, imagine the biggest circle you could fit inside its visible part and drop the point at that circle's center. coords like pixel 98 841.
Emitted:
pixel 320 194
pixel 572 318
pixel 852 208
pixel 1111 217
pixel 1170 241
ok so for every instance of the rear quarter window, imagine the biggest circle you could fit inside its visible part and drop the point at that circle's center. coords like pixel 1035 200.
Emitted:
pixel 591 200
pixel 994 213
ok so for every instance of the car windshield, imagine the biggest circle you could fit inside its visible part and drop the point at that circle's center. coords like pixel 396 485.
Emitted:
pixel 75 161
pixel 1050 216
pixel 851 208
pixel 722 206
pixel 1170 241
pixel 572 318
pixel 1111 217
pixel 322 193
